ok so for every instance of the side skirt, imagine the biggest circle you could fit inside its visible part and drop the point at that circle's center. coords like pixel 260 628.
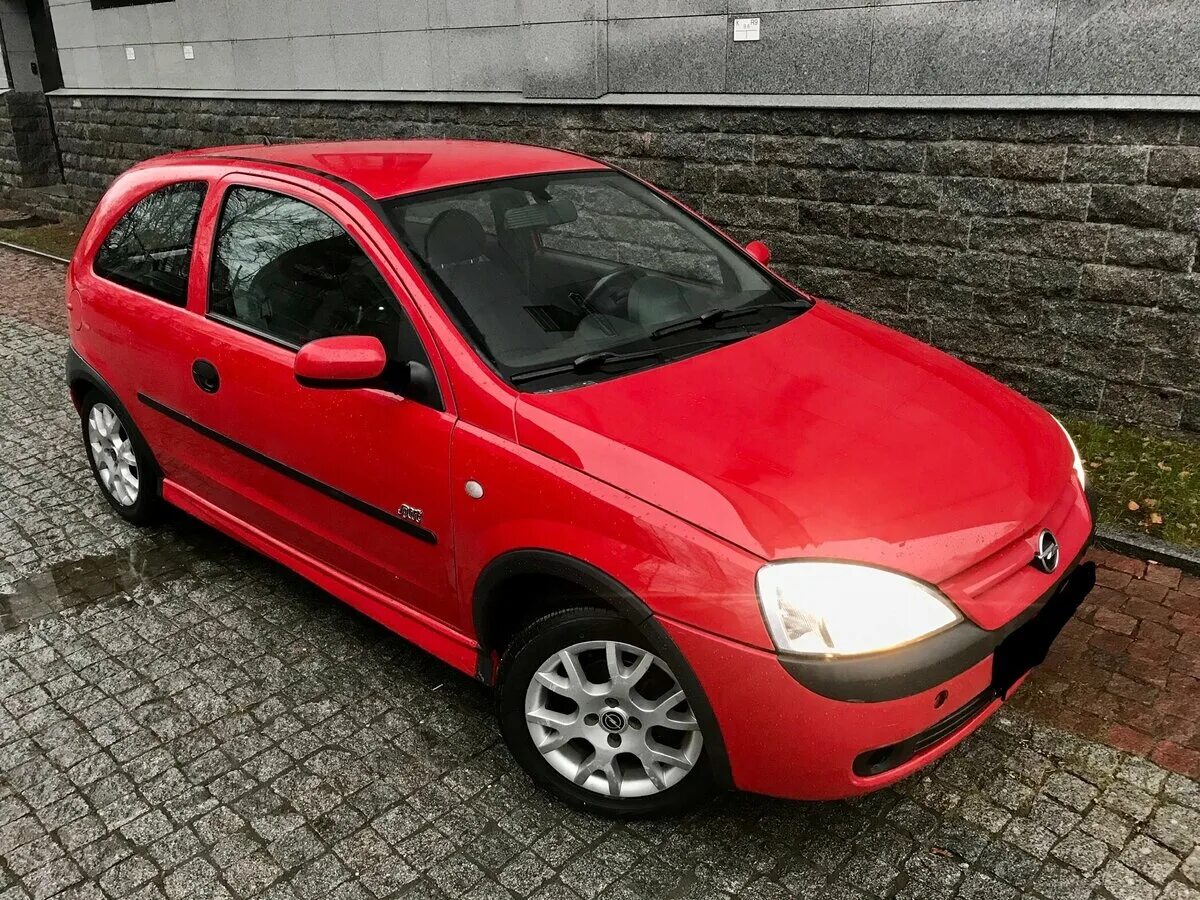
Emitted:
pixel 426 632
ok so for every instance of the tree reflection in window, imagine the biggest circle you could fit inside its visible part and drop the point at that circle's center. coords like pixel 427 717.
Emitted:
pixel 288 271
pixel 150 247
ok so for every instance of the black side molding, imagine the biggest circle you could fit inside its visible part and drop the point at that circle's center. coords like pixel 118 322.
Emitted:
pixel 362 506
pixel 917 667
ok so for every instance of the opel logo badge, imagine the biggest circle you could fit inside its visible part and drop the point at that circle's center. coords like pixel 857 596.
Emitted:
pixel 612 721
pixel 1046 557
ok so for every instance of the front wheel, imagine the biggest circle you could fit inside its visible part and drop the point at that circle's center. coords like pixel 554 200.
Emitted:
pixel 600 720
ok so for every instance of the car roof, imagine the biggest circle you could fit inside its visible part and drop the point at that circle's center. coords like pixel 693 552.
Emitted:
pixel 388 168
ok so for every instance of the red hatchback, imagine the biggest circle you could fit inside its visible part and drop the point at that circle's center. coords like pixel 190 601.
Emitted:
pixel 698 528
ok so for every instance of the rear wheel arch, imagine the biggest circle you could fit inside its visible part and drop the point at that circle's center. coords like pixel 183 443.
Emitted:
pixel 522 586
pixel 82 385
pixel 82 380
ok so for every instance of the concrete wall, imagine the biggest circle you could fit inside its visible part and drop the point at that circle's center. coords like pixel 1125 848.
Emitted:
pixel 586 48
pixel 1055 250
pixel 18 46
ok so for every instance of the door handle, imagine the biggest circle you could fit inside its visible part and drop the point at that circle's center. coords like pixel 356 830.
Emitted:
pixel 206 376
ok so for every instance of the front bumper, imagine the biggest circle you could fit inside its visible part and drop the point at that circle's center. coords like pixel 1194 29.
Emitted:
pixel 921 665
pixel 785 738
pixel 1024 646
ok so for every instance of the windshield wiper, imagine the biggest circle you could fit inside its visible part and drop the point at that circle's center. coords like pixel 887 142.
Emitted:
pixel 711 317
pixel 599 359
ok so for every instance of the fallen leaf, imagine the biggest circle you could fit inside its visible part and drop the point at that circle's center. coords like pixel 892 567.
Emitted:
pixel 1155 519
pixel 1133 506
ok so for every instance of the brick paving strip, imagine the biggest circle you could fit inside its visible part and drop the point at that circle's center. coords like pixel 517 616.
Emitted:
pixel 182 718
pixel 1126 670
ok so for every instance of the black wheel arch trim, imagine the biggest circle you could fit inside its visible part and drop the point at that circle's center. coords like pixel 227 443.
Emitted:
pixel 624 601
pixel 78 371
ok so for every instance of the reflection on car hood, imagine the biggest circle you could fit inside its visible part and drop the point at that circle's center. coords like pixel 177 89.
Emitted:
pixel 828 436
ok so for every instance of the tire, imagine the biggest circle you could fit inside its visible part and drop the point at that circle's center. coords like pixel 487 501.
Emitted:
pixel 616 722
pixel 115 451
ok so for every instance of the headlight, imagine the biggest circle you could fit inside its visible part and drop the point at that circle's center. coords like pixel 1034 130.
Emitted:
pixel 844 609
pixel 1075 453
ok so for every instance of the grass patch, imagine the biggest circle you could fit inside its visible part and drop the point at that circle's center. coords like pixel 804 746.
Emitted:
pixel 58 238
pixel 1142 480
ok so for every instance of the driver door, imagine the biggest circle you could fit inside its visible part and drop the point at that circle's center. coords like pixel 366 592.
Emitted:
pixel 354 478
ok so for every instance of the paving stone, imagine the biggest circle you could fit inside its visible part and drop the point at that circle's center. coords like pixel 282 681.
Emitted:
pixel 1060 883
pixel 1128 801
pixel 1176 827
pixel 1125 884
pixel 1149 858
pixel 1107 826
pixel 1072 792
pixel 1083 853
pixel 978 886
pixel 1191 867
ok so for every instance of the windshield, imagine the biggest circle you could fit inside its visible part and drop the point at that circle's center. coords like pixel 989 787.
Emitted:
pixel 566 278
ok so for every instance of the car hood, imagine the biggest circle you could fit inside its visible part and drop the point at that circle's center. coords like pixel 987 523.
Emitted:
pixel 830 436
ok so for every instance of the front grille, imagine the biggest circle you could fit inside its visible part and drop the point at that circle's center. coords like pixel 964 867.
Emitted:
pixel 883 759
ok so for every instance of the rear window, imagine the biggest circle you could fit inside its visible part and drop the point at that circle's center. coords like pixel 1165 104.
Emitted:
pixel 150 248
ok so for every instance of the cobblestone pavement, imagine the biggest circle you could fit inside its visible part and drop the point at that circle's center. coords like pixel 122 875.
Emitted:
pixel 182 718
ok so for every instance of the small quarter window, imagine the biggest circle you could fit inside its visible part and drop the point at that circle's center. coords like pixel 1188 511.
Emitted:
pixel 150 248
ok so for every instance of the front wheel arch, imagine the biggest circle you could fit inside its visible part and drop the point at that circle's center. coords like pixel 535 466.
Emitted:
pixel 496 619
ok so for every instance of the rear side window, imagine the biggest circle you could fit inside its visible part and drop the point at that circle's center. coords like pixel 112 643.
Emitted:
pixel 287 271
pixel 150 247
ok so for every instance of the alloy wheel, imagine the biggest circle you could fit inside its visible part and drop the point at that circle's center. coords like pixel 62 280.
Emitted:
pixel 113 454
pixel 613 719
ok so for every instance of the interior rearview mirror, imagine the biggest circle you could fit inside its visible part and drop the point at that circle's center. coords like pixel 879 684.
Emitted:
pixel 341 361
pixel 759 251
pixel 559 211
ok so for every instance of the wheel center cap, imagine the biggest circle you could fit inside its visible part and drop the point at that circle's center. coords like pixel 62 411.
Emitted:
pixel 613 721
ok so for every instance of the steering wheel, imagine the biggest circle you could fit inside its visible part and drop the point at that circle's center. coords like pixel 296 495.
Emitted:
pixel 610 295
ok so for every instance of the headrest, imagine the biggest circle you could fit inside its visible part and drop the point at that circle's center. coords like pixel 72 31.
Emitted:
pixel 454 236
pixel 654 300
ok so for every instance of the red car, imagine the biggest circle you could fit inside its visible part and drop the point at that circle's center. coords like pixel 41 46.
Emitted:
pixel 698 528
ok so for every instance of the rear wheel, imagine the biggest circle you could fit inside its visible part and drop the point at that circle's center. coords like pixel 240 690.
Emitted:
pixel 599 719
pixel 119 460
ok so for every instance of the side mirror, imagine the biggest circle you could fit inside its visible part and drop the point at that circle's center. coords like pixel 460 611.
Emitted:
pixel 342 361
pixel 759 251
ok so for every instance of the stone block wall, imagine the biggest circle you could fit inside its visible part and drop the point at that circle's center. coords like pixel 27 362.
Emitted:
pixel 1056 251
pixel 27 154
